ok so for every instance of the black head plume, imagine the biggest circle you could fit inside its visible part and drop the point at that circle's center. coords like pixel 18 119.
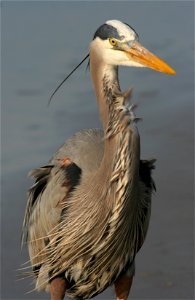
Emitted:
pixel 67 77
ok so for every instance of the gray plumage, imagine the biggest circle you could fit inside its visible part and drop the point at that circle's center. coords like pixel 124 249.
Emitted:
pixel 88 211
pixel 91 239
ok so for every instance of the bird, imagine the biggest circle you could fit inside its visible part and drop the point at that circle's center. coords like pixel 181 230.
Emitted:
pixel 89 207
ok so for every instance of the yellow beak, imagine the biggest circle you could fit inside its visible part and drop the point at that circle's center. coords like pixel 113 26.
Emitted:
pixel 144 57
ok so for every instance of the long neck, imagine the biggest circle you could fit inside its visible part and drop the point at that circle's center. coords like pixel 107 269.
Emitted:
pixel 105 79
pixel 121 144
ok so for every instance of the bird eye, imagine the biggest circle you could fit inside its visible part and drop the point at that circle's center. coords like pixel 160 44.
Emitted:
pixel 112 41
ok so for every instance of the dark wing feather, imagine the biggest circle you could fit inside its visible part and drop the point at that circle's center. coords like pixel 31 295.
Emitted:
pixel 145 173
pixel 41 176
pixel 146 188
pixel 44 207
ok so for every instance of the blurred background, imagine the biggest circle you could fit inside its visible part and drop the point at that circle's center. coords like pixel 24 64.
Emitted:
pixel 41 43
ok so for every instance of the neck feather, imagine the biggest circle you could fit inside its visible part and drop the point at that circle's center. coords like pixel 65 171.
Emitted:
pixel 105 81
pixel 121 139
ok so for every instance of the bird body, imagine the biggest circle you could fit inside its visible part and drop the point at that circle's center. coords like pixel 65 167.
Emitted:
pixel 93 218
pixel 88 212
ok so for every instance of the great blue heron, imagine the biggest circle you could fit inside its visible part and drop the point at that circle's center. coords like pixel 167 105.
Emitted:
pixel 88 211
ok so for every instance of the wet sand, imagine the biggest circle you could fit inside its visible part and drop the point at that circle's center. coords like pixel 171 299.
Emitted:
pixel 41 42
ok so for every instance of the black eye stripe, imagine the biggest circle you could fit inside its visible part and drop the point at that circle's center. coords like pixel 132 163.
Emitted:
pixel 105 31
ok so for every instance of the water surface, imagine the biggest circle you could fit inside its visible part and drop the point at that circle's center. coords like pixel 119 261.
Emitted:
pixel 41 42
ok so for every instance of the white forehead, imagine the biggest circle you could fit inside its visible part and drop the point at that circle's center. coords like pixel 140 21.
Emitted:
pixel 123 29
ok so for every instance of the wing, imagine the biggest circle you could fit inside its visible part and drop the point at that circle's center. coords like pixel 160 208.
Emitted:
pixel 41 176
pixel 53 184
pixel 145 173
pixel 44 207
pixel 146 188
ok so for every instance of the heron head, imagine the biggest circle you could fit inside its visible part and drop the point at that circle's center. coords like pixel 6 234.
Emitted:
pixel 116 43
